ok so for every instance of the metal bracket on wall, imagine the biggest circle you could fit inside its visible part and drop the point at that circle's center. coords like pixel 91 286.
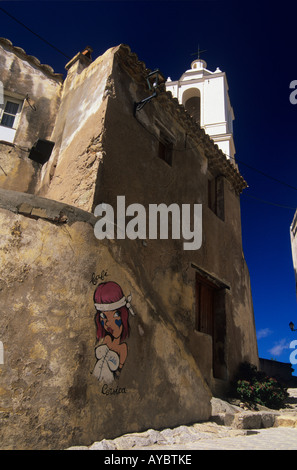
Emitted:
pixel 153 79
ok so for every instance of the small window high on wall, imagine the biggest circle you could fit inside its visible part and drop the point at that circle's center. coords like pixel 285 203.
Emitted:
pixel 165 148
pixel 9 118
pixel 216 196
pixel 9 113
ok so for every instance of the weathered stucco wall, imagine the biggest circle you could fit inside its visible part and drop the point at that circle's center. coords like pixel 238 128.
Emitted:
pixel 50 259
pixel 23 75
pixel 70 175
pixel 115 153
pixel 17 171
pixel 49 398
pixel 133 168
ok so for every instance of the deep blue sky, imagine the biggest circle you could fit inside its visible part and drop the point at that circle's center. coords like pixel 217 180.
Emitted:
pixel 255 44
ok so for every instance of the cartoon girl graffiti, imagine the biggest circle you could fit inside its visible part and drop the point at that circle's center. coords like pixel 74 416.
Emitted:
pixel 112 312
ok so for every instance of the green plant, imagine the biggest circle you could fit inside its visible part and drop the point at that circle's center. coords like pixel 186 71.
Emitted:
pixel 256 388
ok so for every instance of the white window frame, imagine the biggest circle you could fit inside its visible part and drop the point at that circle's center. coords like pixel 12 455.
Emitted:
pixel 7 134
pixel 17 115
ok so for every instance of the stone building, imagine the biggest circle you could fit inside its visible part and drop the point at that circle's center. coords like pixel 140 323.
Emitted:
pixel 28 105
pixel 82 360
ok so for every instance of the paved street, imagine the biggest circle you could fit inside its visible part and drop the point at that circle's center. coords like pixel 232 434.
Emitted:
pixel 280 438
pixel 280 435
pixel 208 437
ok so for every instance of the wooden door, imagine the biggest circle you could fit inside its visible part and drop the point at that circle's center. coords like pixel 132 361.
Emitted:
pixel 204 307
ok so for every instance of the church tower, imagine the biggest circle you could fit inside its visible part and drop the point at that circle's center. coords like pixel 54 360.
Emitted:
pixel 205 96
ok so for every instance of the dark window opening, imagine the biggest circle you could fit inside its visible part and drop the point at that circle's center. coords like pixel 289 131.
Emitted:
pixel 216 196
pixel 165 149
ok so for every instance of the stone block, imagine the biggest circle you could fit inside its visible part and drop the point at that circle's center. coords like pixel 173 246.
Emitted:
pixel 38 212
pixel 268 419
pixel 143 439
pixel 220 406
pixel 25 208
pixel 286 420
pixel 218 419
pixel 247 420
pixel 228 419
pixel 103 445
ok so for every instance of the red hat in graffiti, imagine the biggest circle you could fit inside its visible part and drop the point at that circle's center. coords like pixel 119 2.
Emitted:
pixel 109 296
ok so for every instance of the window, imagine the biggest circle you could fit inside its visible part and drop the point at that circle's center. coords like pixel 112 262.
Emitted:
pixel 10 113
pixel 216 196
pixel 165 149
pixel 9 118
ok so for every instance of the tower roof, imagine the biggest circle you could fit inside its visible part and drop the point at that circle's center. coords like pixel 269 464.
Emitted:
pixel 198 64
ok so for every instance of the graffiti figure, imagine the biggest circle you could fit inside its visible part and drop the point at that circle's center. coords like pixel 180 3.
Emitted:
pixel 112 312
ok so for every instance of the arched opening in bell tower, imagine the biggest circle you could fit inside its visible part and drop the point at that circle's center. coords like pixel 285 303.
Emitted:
pixel 192 103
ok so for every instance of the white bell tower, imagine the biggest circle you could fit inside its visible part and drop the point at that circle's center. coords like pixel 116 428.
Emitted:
pixel 205 96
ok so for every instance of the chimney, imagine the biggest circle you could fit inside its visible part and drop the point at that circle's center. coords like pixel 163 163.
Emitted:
pixel 80 61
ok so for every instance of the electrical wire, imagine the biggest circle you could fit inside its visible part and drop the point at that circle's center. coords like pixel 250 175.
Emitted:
pixel 273 179
pixel 237 161
pixel 176 149
pixel 263 174
pixel 269 203
pixel 35 34
pixel 227 156
pixel 156 137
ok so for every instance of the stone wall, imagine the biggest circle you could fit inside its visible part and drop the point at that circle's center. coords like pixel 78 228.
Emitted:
pixel 37 88
pixel 71 174
pixel 281 371
pixel 17 171
pixel 23 76
pixel 51 263
pixel 133 167
pixel 49 398
pixel 115 152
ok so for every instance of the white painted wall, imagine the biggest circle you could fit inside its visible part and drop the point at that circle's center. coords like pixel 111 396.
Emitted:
pixel 216 114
